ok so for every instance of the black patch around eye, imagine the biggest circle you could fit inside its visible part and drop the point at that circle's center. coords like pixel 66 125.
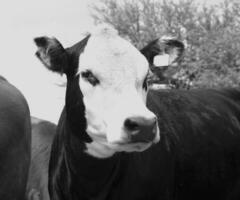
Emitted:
pixel 88 75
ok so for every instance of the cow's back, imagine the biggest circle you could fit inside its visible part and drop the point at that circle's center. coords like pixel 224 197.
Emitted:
pixel 199 150
pixel 15 142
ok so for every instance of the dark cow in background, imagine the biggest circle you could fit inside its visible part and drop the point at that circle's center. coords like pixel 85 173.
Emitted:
pixel 42 137
pixel 108 145
pixel 15 142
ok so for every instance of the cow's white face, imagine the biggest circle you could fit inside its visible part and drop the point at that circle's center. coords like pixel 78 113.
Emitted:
pixel 112 81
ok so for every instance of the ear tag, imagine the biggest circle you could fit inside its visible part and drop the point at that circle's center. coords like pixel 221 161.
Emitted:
pixel 161 60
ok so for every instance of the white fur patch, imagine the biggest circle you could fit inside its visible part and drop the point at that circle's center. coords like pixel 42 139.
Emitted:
pixel 104 30
pixel 121 70
pixel 99 150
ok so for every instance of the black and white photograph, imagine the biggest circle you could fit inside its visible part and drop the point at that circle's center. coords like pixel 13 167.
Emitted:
pixel 120 100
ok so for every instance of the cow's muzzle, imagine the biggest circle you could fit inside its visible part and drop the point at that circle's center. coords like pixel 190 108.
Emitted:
pixel 141 129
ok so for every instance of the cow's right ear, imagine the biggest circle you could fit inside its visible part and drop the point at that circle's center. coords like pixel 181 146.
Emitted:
pixel 52 54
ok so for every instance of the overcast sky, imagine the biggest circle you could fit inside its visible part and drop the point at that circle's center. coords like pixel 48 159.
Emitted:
pixel 20 22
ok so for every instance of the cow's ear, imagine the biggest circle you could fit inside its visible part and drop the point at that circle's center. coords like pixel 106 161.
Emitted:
pixel 52 54
pixel 163 51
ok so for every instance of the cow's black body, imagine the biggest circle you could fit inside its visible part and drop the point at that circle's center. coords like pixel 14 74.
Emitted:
pixel 198 156
pixel 15 142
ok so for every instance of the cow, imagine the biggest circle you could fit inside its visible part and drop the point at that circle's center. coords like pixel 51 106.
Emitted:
pixel 15 142
pixel 116 139
pixel 42 136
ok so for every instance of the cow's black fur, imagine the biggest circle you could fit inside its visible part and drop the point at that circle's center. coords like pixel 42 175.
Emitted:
pixel 198 156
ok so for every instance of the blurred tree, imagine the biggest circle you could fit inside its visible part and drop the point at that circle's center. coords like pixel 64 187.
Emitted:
pixel 211 33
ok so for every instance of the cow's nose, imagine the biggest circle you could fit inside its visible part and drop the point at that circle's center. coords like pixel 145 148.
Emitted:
pixel 140 129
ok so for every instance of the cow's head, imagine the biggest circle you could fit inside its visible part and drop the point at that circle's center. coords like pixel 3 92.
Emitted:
pixel 108 77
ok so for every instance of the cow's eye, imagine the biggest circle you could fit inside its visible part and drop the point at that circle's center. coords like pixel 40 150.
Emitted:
pixel 88 76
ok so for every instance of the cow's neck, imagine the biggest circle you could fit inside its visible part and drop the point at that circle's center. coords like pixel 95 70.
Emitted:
pixel 73 173
pixel 94 175
pixel 76 175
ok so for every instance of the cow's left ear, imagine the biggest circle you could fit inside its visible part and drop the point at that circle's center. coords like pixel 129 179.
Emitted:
pixel 52 54
pixel 163 51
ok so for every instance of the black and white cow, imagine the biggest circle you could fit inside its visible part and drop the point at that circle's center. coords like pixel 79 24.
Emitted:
pixel 15 142
pixel 108 144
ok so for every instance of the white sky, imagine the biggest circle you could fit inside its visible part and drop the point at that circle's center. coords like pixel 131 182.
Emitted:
pixel 20 22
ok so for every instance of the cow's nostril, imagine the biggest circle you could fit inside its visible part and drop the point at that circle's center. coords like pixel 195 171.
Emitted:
pixel 131 125
pixel 140 129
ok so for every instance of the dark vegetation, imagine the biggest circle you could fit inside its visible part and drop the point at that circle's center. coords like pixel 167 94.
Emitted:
pixel 211 34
